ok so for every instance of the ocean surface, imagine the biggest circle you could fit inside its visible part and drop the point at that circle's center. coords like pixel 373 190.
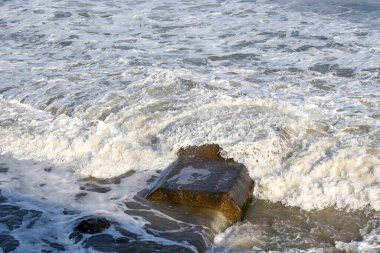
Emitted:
pixel 100 89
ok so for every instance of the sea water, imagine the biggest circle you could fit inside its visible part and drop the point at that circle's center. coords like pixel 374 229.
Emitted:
pixel 99 89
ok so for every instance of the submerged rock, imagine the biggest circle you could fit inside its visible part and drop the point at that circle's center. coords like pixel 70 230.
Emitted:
pixel 8 243
pixel 92 225
pixel 201 177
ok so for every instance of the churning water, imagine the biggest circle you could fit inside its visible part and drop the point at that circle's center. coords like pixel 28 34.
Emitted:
pixel 101 89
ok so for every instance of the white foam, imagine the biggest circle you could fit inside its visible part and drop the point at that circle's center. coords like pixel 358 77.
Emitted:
pixel 289 89
pixel 273 141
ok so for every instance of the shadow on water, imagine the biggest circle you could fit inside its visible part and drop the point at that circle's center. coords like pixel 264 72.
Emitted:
pixel 189 225
pixel 20 226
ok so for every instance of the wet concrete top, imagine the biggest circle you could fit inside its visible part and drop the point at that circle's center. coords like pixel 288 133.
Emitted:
pixel 216 176
pixel 201 168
